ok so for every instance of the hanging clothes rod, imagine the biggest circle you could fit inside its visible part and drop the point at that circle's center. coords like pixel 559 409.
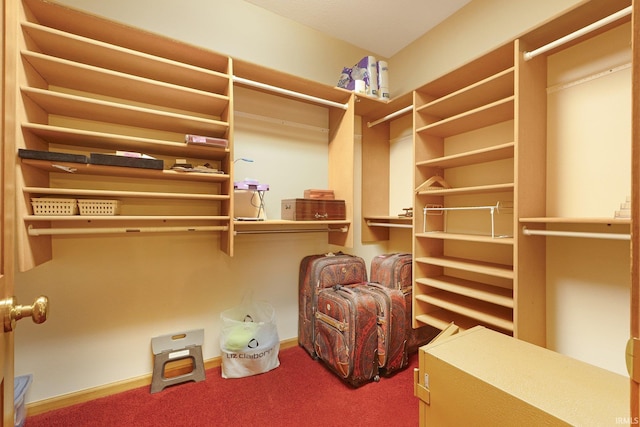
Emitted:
pixel 388 224
pixel 289 92
pixel 611 236
pixel 572 36
pixel 390 116
pixel 115 230
pixel 294 230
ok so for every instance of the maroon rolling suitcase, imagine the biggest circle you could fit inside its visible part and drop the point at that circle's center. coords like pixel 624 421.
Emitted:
pixel 318 272
pixel 394 270
pixel 346 334
pixel 392 326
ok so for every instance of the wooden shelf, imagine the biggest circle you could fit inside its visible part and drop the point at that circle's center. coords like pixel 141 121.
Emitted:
pixel 104 55
pixel 486 115
pixel 86 138
pixel 484 155
pixel 490 269
pixel 84 108
pixel 375 108
pixel 493 88
pixel 475 290
pixel 484 313
pixel 440 319
pixel 256 73
pixel 115 85
pixel 120 171
pixel 479 69
pixel 99 29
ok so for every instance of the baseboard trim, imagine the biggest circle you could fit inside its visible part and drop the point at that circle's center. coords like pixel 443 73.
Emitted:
pixel 58 402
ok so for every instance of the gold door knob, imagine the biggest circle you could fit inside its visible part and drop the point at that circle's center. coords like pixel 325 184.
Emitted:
pixel 11 312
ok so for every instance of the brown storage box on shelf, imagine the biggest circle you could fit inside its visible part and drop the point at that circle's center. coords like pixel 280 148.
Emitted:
pixel 485 378
pixel 319 194
pixel 313 210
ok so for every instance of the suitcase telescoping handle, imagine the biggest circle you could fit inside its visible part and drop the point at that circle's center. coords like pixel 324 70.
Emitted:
pixel 344 289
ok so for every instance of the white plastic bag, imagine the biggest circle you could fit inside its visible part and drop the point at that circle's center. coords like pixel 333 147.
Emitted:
pixel 249 340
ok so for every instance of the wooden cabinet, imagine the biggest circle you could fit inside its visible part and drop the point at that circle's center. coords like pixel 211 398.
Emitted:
pixel 520 384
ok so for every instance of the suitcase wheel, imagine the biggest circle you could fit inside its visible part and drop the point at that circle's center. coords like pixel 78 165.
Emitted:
pixel 377 378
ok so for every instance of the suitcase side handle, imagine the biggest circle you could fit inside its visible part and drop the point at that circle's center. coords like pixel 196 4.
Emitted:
pixel 341 326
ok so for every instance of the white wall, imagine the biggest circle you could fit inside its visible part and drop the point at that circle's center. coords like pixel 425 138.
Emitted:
pixel 477 28
pixel 238 29
pixel 110 295
pixel 588 175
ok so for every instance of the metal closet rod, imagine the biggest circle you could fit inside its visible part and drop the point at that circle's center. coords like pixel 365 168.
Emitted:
pixel 610 236
pixel 572 36
pixel 388 224
pixel 288 92
pixel 294 230
pixel 390 116
pixel 116 230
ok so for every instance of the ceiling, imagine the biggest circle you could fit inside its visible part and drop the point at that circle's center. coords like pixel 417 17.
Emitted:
pixel 382 27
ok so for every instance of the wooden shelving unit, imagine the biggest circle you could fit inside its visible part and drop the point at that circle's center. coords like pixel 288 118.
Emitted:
pixel 375 164
pixel 453 282
pixel 465 121
pixel 88 85
pixel 491 111
pixel 341 107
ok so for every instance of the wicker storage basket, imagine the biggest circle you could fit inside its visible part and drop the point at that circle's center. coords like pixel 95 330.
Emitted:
pixel 53 206
pixel 99 207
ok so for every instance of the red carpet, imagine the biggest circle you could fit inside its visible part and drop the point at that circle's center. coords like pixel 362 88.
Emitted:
pixel 301 392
